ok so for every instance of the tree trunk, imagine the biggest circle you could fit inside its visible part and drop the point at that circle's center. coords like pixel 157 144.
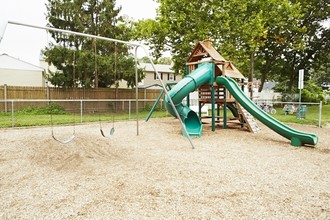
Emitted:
pixel 264 74
pixel 95 66
pixel 251 74
pixel 292 75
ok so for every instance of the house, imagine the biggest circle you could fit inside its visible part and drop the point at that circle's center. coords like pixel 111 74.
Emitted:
pixel 16 72
pixel 151 80
pixel 267 93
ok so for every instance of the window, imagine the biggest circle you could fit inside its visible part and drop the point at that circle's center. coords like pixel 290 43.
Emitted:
pixel 171 77
pixel 156 77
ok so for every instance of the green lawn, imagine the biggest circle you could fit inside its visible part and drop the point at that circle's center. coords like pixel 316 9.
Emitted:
pixel 22 119
pixel 312 116
pixel 25 120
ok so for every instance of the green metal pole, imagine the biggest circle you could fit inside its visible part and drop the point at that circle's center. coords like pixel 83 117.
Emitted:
pixel 188 96
pixel 155 105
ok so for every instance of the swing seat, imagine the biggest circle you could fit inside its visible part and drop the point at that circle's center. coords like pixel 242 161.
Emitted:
pixel 71 138
pixel 110 133
pixel 112 130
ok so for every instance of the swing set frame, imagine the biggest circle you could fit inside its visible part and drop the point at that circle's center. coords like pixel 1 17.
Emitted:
pixel 136 47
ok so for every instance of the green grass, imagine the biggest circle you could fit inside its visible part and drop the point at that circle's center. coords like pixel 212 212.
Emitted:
pixel 24 119
pixel 37 118
pixel 312 116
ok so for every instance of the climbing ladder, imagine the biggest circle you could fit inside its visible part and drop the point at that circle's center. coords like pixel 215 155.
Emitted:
pixel 248 119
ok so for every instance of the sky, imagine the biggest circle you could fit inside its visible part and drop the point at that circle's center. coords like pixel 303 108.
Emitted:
pixel 26 43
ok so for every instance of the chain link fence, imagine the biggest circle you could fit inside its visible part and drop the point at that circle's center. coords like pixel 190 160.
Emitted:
pixel 43 112
pixel 300 110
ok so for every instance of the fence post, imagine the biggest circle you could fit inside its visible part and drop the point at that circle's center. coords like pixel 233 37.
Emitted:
pixel 5 96
pixel 145 97
pixel 47 91
pixel 81 110
pixel 129 109
pixel 320 114
pixel 12 114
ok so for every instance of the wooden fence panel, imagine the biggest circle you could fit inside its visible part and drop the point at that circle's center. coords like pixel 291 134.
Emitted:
pixel 15 92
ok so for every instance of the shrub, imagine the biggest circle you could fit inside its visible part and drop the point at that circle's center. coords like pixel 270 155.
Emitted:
pixel 52 108
pixel 312 92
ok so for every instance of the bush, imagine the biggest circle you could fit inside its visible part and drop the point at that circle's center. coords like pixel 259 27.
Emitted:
pixel 148 107
pixel 55 109
pixel 307 96
pixel 312 92
pixel 52 108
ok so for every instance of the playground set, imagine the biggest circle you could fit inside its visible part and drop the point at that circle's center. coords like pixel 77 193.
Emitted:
pixel 213 77
pixel 209 73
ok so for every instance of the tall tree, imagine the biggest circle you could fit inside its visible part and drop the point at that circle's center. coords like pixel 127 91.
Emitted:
pixel 263 38
pixel 84 61
pixel 314 43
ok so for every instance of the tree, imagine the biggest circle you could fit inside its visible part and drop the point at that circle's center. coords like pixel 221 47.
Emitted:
pixel 144 60
pixel 312 92
pixel 321 66
pixel 321 71
pixel 270 39
pixel 172 30
pixel 238 27
pixel 85 61
pixel 164 60
pixel 314 42
pixel 161 60
pixel 254 23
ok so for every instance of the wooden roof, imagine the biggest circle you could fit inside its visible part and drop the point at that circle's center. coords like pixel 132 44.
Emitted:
pixel 231 71
pixel 204 49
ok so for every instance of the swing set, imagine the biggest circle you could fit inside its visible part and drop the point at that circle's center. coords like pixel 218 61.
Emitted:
pixel 112 130
pixel 72 137
pixel 132 44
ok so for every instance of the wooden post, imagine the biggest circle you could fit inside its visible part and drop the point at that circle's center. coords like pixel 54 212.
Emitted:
pixel 213 109
pixel 5 96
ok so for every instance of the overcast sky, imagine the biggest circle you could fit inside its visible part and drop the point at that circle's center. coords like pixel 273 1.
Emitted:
pixel 25 43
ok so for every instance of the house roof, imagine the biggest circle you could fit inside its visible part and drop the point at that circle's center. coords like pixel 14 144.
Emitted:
pixel 163 68
pixel 269 85
pixel 9 62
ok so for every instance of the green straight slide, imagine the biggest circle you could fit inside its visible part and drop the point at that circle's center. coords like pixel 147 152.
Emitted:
pixel 297 138
pixel 200 76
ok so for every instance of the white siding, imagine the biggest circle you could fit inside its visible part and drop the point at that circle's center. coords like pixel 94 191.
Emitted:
pixel 21 77
pixel 16 72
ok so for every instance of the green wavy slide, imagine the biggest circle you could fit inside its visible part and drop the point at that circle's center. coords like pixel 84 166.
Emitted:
pixel 297 138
